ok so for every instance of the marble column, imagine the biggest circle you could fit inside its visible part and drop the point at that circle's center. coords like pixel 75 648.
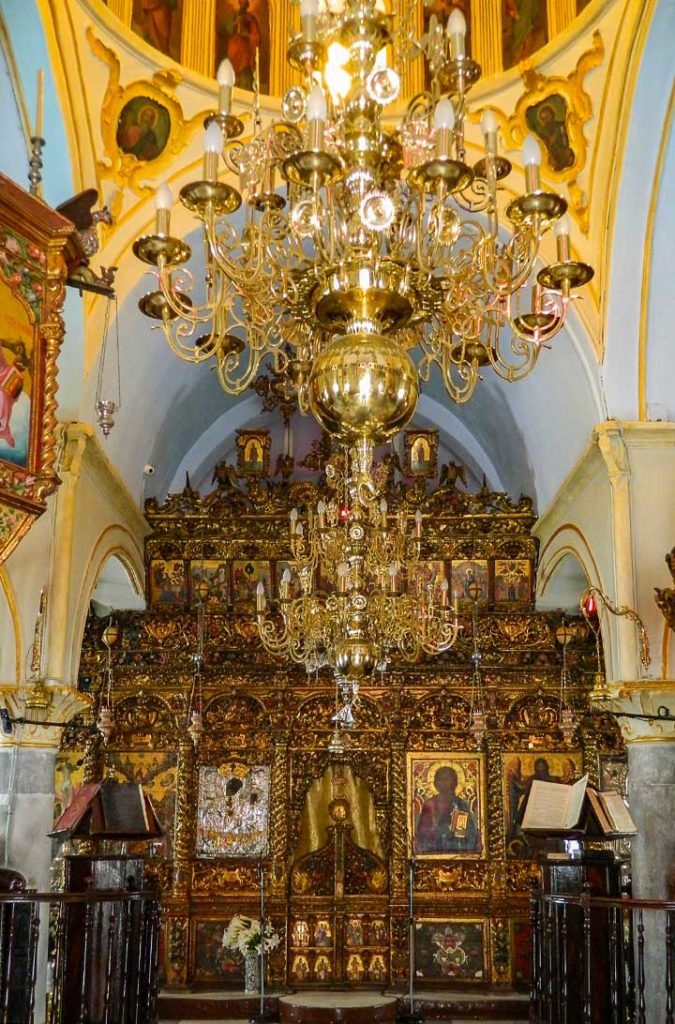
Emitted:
pixel 26 818
pixel 651 780
pixel 651 792
pixel 27 761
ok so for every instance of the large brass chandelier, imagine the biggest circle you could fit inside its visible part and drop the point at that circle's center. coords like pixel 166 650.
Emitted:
pixel 362 593
pixel 354 241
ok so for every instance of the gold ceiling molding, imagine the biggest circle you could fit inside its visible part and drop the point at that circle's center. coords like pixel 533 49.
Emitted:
pixel 130 160
pixel 568 108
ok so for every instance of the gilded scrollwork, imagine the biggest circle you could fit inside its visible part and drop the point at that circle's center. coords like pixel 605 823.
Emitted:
pixel 160 136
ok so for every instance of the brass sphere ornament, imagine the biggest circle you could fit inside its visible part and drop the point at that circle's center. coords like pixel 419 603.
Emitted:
pixel 363 385
pixel 355 658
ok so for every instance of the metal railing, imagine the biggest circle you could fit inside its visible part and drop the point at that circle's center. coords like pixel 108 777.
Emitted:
pixel 601 960
pixel 91 956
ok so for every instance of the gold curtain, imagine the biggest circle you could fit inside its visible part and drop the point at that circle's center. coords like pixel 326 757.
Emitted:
pixel 315 817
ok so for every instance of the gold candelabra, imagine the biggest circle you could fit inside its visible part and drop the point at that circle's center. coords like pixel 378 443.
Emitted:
pixel 383 243
pixel 358 591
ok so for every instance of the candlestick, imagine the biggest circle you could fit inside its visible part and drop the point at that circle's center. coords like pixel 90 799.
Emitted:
pixel 40 102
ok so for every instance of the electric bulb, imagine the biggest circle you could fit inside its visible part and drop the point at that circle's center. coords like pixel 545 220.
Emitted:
pixel 286 575
pixel 456 23
pixel 531 151
pixel 164 197
pixel 225 73
pixel 213 139
pixel 444 115
pixel 457 32
pixel 317 108
pixel 488 122
pixel 563 226
pixel 309 8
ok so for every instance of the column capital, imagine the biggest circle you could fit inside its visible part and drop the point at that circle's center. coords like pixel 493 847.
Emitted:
pixel 62 704
pixel 642 697
pixel 609 437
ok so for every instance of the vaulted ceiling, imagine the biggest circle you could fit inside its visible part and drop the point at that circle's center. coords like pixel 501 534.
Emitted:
pixel 613 359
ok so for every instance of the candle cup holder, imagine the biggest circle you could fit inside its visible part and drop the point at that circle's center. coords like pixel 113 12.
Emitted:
pixel 210 197
pixel 166 249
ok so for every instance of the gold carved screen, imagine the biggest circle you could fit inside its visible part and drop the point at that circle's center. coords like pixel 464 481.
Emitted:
pixel 341 825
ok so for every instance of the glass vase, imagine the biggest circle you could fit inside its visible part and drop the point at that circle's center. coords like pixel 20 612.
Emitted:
pixel 251 972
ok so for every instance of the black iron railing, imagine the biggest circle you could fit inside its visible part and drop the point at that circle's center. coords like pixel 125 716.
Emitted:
pixel 91 956
pixel 601 960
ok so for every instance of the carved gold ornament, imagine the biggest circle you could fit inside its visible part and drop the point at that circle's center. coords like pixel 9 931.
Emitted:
pixel 539 112
pixel 160 130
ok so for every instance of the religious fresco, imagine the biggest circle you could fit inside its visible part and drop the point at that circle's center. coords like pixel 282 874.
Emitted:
pixel 215 576
pixel 253 453
pixel 16 356
pixel 159 23
pixel 143 128
pixel 233 811
pixel 429 573
pixel 447 949
pixel 68 777
pixel 445 804
pixel 548 121
pixel 513 580
pixel 215 961
pixel 524 29
pixel 167 582
pixel 420 456
pixel 519 772
pixel 467 574
pixel 246 574
pixel 242 33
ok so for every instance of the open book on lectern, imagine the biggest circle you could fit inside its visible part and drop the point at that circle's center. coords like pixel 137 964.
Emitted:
pixel 554 807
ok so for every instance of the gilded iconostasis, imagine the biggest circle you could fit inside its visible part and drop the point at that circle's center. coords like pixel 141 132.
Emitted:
pixel 337 805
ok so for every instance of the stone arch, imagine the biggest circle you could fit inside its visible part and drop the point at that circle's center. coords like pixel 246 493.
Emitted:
pixel 114 542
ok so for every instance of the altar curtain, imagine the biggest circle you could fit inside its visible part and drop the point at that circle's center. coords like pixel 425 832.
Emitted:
pixel 315 816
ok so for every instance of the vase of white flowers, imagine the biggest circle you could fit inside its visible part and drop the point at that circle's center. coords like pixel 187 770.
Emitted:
pixel 243 934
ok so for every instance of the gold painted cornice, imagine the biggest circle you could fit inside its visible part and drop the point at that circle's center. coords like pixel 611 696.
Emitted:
pixel 64 703
pixel 642 697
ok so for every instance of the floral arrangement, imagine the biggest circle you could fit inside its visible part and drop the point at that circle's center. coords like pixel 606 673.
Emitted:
pixel 243 934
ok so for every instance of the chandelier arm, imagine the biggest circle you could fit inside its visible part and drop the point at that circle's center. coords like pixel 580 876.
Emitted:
pixel 239 276
pixel 180 281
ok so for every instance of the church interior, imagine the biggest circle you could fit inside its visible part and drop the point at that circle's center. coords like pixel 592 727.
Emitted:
pixel 336 685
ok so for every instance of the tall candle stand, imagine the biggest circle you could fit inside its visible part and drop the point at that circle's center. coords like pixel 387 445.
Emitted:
pixel 411 1015
pixel 263 1016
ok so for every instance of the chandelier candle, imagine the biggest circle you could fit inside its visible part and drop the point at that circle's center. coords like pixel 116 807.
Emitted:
pixel 225 79
pixel 213 146
pixel 163 204
pixel 457 33
pixel 309 10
